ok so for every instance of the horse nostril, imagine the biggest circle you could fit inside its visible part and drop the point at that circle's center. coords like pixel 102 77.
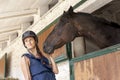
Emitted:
pixel 47 49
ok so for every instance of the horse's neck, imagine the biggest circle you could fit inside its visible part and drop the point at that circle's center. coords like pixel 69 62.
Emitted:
pixel 94 36
pixel 96 29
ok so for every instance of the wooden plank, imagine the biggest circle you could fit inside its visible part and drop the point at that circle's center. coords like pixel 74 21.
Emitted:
pixel 2 67
pixel 105 67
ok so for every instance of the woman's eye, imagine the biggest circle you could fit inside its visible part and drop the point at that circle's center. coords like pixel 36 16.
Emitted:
pixel 26 41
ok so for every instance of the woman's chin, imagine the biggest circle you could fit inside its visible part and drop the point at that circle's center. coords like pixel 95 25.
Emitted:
pixel 30 48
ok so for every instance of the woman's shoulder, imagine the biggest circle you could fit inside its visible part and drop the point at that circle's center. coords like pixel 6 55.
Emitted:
pixel 25 54
pixel 25 59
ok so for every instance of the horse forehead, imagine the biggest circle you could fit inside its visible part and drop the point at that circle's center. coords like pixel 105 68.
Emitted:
pixel 59 28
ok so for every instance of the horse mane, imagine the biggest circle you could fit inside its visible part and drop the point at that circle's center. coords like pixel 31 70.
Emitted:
pixel 115 25
pixel 100 19
pixel 71 13
pixel 112 24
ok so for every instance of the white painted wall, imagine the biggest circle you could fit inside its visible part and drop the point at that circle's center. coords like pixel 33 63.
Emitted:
pixel 16 48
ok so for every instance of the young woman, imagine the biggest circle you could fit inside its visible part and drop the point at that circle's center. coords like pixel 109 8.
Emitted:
pixel 36 65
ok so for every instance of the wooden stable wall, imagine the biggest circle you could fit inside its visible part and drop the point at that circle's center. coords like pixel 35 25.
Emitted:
pixel 2 67
pixel 104 67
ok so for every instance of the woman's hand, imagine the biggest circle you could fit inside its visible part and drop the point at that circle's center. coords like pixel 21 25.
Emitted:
pixel 54 65
pixel 52 62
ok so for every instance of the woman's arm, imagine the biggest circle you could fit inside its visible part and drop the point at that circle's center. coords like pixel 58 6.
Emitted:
pixel 52 62
pixel 54 65
pixel 25 67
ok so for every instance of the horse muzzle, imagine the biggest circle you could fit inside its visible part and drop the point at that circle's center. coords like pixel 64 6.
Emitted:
pixel 48 49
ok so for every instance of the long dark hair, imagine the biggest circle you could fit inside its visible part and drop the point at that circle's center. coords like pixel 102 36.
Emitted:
pixel 38 50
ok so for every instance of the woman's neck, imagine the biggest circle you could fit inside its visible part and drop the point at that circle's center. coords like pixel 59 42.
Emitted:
pixel 34 52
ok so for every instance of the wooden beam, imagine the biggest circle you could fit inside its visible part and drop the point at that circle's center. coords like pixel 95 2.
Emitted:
pixel 9 29
pixel 7 33
pixel 4 40
pixel 18 13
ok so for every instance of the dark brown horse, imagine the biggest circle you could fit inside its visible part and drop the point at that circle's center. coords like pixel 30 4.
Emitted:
pixel 71 25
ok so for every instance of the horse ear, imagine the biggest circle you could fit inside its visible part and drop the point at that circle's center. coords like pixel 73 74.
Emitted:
pixel 64 12
pixel 70 9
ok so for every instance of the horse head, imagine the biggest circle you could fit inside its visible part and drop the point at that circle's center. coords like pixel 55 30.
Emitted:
pixel 63 32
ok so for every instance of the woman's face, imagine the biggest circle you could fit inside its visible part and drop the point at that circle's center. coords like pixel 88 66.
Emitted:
pixel 29 43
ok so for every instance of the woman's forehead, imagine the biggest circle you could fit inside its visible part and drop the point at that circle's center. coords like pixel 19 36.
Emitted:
pixel 28 38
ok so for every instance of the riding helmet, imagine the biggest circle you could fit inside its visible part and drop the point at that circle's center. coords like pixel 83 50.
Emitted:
pixel 29 34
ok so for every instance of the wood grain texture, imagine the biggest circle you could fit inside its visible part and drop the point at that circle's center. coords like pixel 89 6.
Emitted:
pixel 2 67
pixel 105 67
